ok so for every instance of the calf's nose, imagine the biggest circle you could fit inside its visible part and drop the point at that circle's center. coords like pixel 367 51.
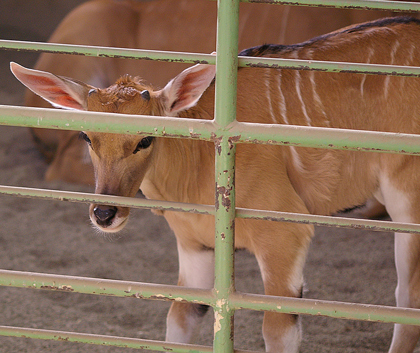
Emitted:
pixel 104 214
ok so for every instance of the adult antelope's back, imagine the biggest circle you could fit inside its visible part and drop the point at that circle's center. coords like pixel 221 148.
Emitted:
pixel 282 178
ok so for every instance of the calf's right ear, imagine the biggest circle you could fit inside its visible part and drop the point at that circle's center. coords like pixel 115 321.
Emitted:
pixel 61 92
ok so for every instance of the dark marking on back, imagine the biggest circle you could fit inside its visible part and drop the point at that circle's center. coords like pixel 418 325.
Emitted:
pixel 272 49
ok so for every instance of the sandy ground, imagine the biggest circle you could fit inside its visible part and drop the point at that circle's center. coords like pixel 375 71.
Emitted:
pixel 56 237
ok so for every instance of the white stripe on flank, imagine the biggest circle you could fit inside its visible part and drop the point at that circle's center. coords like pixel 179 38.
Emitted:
pixel 362 84
pixel 408 62
pixel 317 98
pixel 282 100
pixel 411 55
pixel 299 94
pixel 270 101
pixel 387 78
pixel 298 80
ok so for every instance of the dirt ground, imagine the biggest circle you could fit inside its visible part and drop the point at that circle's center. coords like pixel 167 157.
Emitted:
pixel 56 237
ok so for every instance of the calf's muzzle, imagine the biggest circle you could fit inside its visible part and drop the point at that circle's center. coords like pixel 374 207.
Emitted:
pixel 104 214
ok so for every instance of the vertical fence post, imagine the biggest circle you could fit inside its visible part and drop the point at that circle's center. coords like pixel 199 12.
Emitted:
pixel 225 113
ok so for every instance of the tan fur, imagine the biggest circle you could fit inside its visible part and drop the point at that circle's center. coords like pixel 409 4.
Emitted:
pixel 279 178
pixel 324 182
pixel 179 25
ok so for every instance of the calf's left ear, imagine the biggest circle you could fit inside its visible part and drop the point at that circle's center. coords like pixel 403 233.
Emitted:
pixel 184 91
pixel 61 92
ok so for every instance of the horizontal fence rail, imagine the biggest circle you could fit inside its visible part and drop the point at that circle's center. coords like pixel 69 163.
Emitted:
pixel 104 340
pixel 108 52
pixel 236 300
pixel 347 4
pixel 340 222
pixel 208 130
pixel 243 61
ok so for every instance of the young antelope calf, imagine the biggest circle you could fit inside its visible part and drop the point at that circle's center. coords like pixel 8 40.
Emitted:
pixel 281 178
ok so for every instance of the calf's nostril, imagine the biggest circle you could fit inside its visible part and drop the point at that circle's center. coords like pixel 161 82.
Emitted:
pixel 104 214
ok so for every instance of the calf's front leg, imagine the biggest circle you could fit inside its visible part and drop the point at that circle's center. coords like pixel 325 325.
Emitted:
pixel 196 270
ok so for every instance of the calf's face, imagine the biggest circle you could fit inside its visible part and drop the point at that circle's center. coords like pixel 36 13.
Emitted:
pixel 120 161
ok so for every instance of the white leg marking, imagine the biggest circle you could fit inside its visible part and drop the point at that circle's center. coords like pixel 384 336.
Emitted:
pixel 289 342
pixel 398 207
pixel 404 337
pixel 178 334
pixel 196 269
pixel 396 201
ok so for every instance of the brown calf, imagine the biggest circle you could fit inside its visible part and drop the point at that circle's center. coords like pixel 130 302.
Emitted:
pixel 281 178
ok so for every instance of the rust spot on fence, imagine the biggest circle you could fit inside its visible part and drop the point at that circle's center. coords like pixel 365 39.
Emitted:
pixel 63 288
pixel 194 135
pixel 169 60
pixel 138 296
pixel 233 140
pixel 224 193
pixel 217 144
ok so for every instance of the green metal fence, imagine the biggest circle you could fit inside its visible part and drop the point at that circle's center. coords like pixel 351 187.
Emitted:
pixel 227 132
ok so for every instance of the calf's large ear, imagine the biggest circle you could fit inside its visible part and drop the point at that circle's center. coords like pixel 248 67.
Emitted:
pixel 184 91
pixel 61 92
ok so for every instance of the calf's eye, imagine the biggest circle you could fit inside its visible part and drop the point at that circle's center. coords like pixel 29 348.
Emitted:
pixel 85 137
pixel 144 143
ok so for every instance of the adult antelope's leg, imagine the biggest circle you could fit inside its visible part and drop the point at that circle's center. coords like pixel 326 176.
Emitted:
pixel 400 205
pixel 407 260
pixel 281 258
pixel 196 269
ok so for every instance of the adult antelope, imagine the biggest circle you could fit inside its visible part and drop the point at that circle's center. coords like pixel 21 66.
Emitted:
pixel 281 178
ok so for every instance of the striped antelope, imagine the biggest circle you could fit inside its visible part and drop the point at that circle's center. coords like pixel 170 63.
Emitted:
pixel 156 25
pixel 281 178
